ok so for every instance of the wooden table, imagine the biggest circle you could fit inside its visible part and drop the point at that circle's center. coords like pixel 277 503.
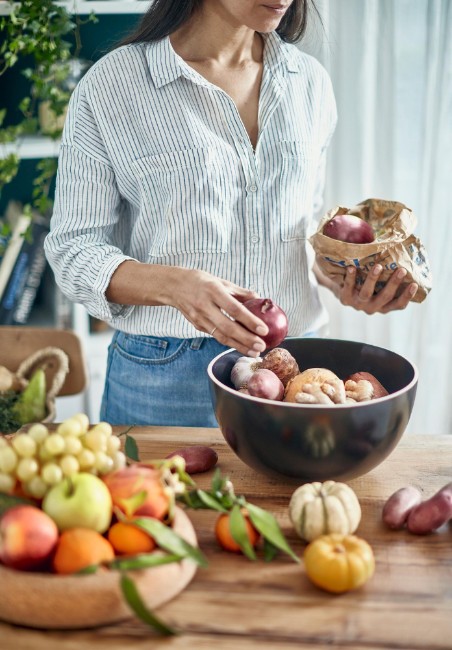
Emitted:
pixel 239 604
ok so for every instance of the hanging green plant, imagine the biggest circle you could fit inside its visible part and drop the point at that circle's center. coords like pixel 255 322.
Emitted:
pixel 46 36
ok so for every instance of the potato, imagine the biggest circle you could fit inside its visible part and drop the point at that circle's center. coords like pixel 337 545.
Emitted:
pixel 399 505
pixel 379 389
pixel 282 363
pixel 432 513
pixel 198 458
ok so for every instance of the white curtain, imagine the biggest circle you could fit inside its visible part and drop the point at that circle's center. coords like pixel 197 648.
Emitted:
pixel 391 66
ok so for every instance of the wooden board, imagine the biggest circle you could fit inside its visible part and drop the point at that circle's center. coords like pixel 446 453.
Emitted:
pixel 235 603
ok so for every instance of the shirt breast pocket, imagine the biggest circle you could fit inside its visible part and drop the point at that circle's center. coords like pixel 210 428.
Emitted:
pixel 297 187
pixel 183 201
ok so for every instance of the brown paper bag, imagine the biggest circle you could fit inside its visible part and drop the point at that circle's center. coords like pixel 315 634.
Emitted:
pixel 395 246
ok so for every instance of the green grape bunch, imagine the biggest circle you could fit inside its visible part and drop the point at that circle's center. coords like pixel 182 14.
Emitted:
pixel 38 459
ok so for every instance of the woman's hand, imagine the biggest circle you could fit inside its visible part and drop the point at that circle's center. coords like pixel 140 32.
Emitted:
pixel 210 304
pixel 214 306
pixel 363 298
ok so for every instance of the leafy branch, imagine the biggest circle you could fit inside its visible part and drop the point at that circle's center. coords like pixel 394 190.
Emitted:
pixel 222 498
pixel 43 31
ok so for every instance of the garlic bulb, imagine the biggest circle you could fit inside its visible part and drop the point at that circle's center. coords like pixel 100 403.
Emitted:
pixel 242 371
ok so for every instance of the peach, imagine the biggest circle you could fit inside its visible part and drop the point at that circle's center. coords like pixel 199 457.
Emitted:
pixel 138 491
pixel 28 538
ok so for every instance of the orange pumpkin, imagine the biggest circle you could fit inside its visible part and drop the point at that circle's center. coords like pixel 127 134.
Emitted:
pixel 339 563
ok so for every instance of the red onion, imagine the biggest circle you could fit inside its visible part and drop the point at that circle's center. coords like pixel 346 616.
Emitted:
pixel 273 316
pixel 264 383
pixel 349 228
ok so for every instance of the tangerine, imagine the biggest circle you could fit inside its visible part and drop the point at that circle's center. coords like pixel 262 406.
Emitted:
pixel 128 539
pixel 224 536
pixel 78 548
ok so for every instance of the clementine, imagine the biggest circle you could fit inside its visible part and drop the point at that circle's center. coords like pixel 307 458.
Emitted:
pixel 128 539
pixel 78 548
pixel 224 536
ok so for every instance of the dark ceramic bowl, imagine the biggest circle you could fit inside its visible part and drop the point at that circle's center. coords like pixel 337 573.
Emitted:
pixel 317 442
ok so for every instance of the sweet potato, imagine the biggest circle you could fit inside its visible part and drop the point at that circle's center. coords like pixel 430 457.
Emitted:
pixel 399 505
pixel 198 458
pixel 432 513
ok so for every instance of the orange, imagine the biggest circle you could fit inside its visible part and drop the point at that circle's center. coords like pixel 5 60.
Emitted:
pixel 129 539
pixel 78 548
pixel 224 537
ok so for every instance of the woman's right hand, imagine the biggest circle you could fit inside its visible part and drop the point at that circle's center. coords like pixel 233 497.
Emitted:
pixel 215 306
pixel 210 304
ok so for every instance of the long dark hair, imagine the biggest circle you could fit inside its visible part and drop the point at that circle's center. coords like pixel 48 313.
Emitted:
pixel 165 16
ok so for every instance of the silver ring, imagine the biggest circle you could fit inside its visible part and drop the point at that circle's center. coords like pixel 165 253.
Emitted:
pixel 213 331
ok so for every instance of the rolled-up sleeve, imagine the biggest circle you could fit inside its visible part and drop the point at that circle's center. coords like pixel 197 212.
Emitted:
pixel 86 211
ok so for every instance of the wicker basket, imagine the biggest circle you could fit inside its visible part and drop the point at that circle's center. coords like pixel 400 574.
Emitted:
pixel 55 364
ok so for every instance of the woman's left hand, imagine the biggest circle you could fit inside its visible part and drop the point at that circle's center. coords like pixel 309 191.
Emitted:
pixel 363 298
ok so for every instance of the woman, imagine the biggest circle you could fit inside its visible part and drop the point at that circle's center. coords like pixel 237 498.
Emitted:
pixel 191 169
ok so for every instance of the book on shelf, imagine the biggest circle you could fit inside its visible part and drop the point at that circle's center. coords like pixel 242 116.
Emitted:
pixel 25 277
pixel 5 236
pixel 18 226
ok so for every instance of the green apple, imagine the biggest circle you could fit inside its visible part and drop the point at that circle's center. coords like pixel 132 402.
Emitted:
pixel 79 501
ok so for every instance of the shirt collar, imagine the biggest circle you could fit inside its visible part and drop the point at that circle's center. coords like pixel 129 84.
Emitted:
pixel 166 66
pixel 278 56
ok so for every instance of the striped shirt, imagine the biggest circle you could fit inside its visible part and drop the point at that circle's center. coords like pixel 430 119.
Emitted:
pixel 156 165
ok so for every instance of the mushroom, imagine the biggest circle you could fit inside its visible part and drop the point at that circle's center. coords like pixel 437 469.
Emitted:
pixel 359 391
pixel 315 386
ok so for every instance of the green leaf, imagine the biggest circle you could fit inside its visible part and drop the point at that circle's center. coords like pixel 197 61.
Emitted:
pixel 92 568
pixel 8 501
pixel 239 532
pixel 269 528
pixel 170 541
pixel 9 423
pixel 191 500
pixel 136 604
pixel 270 551
pixel 131 448
pixel 210 502
pixel 217 481
pixel 143 561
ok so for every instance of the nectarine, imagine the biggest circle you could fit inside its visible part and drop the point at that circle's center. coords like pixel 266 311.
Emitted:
pixel 27 537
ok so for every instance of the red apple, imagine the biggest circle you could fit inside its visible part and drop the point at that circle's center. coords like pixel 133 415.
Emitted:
pixel 27 538
pixel 138 491
pixel 348 228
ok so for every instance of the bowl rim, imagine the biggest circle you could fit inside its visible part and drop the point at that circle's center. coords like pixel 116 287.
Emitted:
pixel 314 407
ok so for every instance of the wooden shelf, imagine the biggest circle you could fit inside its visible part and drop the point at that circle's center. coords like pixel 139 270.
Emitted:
pixel 98 6
pixel 31 146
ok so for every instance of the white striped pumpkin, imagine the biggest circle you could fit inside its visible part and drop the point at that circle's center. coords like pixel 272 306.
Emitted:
pixel 322 508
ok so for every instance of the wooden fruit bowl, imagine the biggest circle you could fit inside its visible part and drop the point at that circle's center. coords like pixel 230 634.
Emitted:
pixel 51 601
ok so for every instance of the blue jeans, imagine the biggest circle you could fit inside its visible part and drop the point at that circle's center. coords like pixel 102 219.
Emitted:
pixel 159 381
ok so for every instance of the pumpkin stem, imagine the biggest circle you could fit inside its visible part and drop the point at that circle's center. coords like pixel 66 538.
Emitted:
pixel 339 548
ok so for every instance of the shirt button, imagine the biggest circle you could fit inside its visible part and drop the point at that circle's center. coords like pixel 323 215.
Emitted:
pixel 254 239
pixel 252 188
